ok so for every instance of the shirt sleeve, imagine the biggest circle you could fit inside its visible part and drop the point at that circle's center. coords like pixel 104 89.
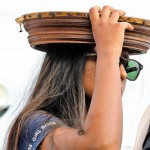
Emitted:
pixel 146 144
pixel 35 130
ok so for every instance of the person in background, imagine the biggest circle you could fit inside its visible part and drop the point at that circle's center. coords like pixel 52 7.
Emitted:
pixel 142 141
pixel 76 102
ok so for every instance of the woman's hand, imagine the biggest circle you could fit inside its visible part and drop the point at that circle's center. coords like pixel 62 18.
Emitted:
pixel 107 31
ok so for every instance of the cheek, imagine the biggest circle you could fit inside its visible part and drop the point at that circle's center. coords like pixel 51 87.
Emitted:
pixel 89 79
pixel 90 75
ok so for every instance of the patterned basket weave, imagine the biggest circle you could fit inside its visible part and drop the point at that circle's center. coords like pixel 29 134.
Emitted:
pixel 50 28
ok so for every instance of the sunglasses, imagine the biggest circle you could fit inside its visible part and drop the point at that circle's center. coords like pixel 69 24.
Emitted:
pixel 132 67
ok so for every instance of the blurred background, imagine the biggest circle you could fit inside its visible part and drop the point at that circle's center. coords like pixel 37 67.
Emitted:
pixel 19 63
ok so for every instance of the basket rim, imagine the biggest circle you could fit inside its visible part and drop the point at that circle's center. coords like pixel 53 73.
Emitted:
pixel 74 14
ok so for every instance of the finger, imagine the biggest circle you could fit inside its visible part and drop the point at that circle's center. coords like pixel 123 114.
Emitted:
pixel 127 25
pixel 106 11
pixel 94 13
pixel 116 14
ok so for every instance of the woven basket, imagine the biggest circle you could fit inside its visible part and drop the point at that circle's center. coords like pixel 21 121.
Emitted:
pixel 50 28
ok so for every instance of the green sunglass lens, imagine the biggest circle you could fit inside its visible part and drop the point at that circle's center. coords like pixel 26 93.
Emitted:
pixel 132 70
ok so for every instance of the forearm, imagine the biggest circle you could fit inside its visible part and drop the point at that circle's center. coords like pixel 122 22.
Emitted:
pixel 104 119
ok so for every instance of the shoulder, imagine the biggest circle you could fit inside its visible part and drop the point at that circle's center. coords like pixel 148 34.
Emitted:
pixel 35 129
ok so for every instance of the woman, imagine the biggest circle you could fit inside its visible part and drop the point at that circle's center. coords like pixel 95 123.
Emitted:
pixel 76 102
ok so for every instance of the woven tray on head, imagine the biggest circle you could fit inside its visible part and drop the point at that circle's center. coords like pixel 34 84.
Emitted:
pixel 50 28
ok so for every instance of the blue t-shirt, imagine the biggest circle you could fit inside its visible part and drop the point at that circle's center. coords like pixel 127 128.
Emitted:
pixel 35 130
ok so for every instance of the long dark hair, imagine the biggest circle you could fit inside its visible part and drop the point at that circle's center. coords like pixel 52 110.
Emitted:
pixel 58 89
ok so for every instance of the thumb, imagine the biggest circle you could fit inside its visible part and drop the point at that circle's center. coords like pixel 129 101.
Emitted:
pixel 127 26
